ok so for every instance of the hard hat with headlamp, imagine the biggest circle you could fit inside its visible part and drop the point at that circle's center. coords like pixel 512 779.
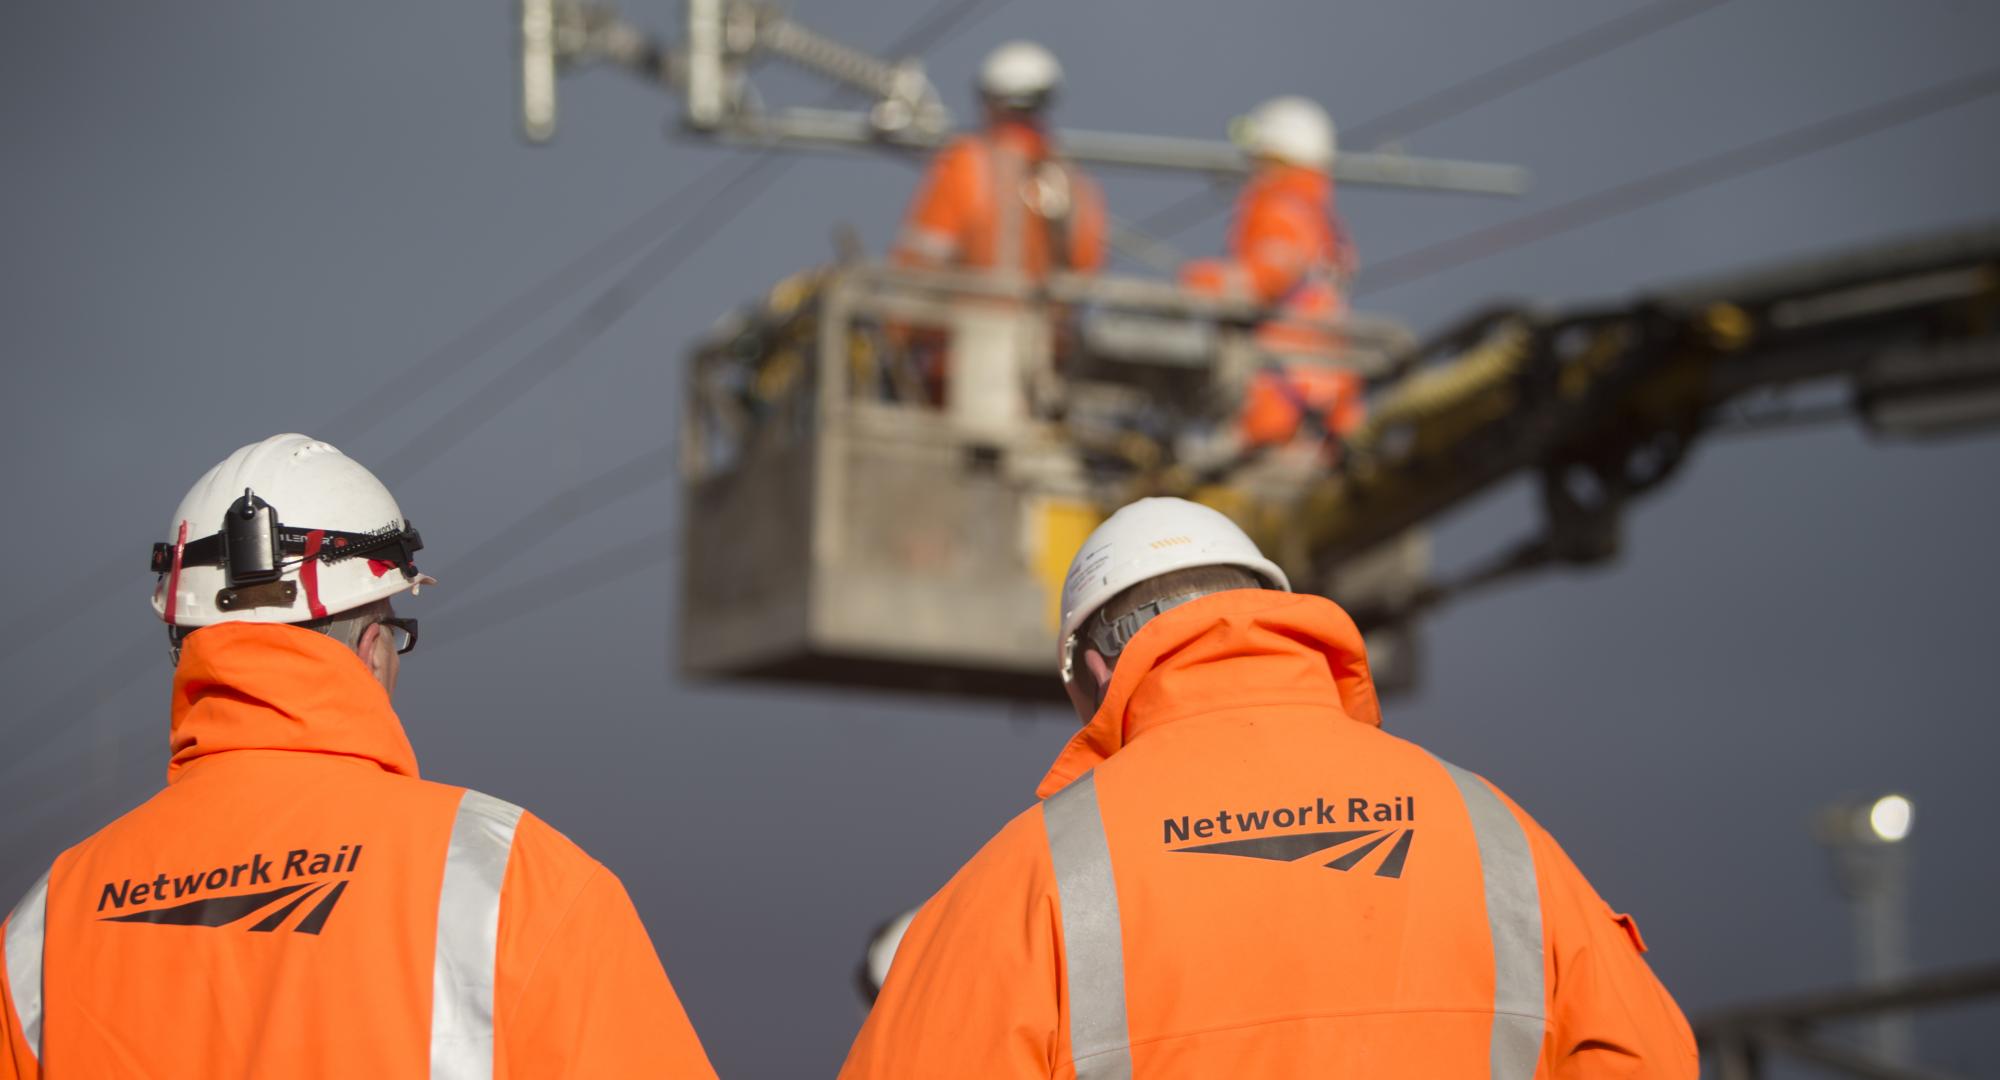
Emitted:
pixel 287 530
pixel 1020 75
pixel 1144 540
pixel 1291 129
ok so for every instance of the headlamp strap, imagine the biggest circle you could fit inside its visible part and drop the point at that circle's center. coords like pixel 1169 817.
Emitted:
pixel 309 573
pixel 173 572
pixel 1110 636
pixel 394 543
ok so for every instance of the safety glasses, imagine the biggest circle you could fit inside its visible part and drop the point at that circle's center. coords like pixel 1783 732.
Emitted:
pixel 403 632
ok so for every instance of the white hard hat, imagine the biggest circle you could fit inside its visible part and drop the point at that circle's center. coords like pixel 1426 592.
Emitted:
pixel 1290 128
pixel 882 951
pixel 283 531
pixel 1144 540
pixel 1020 75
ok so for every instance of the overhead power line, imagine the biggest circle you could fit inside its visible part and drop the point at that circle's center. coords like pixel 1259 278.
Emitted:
pixel 1679 180
pixel 123 670
pixel 473 410
pixel 523 309
pixel 1551 59
pixel 559 513
pixel 540 592
pixel 503 322
pixel 455 355
pixel 944 20
pixel 554 586
pixel 516 314
pixel 652 270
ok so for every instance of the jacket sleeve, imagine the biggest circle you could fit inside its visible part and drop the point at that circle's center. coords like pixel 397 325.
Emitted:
pixel 1609 1015
pixel 1087 225
pixel 581 992
pixel 16 1063
pixel 973 988
pixel 934 224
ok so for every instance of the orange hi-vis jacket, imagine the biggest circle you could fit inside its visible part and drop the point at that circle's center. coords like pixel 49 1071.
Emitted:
pixel 1002 200
pixel 1287 251
pixel 1235 872
pixel 298 903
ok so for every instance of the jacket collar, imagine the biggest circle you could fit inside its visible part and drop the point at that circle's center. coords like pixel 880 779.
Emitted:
pixel 250 686
pixel 1293 181
pixel 1246 647
pixel 1024 137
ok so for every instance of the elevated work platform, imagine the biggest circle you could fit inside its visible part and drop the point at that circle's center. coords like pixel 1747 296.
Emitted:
pixel 886 473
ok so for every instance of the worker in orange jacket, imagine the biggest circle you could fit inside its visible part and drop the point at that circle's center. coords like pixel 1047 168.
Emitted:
pixel 1003 199
pixel 296 902
pixel 1289 254
pixel 1235 872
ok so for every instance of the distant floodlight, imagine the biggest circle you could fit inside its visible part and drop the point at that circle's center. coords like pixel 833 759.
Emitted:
pixel 1889 819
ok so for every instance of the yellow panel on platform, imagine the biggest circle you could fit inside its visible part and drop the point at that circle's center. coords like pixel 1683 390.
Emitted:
pixel 1060 526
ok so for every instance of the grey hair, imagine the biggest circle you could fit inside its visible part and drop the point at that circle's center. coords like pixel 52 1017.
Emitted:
pixel 1144 601
pixel 345 627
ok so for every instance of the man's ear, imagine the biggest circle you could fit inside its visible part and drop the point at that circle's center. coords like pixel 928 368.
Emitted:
pixel 375 651
pixel 1100 672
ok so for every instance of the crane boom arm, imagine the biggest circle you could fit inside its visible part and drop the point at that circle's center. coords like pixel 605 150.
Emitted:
pixel 1604 404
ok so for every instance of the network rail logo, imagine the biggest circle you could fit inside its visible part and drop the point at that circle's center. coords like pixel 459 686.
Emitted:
pixel 1351 846
pixel 312 875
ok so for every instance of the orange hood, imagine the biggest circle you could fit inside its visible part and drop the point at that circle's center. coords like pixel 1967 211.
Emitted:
pixel 248 686
pixel 1240 648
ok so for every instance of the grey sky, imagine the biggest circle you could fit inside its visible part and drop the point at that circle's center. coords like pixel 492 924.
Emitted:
pixel 224 221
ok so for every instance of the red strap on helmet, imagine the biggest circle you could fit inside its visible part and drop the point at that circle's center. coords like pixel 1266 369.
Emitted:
pixel 174 577
pixel 309 573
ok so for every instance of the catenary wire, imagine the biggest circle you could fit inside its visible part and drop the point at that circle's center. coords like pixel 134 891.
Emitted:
pixel 127 667
pixel 1679 180
pixel 1489 85
pixel 511 317
pixel 1521 72
pixel 730 198
pixel 538 592
pixel 502 323
pixel 652 270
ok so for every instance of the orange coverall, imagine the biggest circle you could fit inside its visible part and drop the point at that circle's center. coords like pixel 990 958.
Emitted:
pixel 1287 252
pixel 298 903
pixel 1000 201
pixel 1235 872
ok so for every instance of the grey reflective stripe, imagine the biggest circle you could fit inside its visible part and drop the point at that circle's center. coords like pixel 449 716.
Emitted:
pixel 1093 940
pixel 468 937
pixel 1009 171
pixel 24 961
pixel 1514 922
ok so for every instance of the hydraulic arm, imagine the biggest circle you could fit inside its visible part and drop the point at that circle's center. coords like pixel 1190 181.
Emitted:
pixel 1603 405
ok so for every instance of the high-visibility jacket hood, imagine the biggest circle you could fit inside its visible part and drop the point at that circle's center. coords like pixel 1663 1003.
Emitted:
pixel 1021 136
pixel 1252 879
pixel 297 903
pixel 250 686
pixel 1281 649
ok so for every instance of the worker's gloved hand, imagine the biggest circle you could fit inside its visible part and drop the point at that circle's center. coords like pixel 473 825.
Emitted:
pixel 1216 277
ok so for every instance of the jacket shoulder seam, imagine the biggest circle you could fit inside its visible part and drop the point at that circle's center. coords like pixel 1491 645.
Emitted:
pixel 542 948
